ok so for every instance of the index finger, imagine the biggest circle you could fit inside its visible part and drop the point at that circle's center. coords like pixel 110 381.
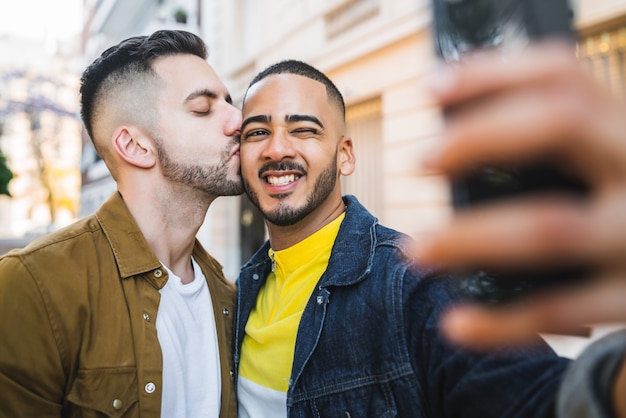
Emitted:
pixel 492 71
pixel 568 311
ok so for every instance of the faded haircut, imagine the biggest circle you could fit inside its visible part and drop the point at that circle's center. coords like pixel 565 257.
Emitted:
pixel 305 70
pixel 128 65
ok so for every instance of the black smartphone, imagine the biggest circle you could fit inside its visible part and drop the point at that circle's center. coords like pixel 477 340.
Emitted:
pixel 462 27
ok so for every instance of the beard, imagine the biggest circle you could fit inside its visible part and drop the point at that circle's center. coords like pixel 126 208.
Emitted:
pixel 212 180
pixel 285 215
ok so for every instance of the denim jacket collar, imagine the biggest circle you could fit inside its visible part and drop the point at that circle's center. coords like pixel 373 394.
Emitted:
pixel 354 266
pixel 357 231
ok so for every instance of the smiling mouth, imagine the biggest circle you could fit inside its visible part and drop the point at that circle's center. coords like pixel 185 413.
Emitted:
pixel 281 180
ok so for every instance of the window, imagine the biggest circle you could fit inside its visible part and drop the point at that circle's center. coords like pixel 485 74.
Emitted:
pixel 604 54
pixel 364 124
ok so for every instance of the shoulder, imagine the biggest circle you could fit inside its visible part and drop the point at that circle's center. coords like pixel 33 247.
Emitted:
pixel 57 264
pixel 52 274
pixel 423 286
pixel 57 244
pixel 389 237
pixel 395 247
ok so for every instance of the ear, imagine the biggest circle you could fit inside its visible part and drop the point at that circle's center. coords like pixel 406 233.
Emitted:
pixel 346 158
pixel 134 147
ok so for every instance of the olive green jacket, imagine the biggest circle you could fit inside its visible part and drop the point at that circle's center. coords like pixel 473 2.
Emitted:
pixel 78 315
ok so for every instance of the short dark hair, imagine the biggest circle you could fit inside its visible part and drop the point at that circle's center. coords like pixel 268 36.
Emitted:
pixel 129 60
pixel 306 70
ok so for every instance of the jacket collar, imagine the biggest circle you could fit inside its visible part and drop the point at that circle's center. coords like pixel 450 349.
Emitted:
pixel 353 251
pixel 130 248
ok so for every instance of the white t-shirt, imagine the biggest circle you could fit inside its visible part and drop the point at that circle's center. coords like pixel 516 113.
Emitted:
pixel 185 325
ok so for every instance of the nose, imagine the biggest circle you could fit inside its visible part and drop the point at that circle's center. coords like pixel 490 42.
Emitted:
pixel 232 126
pixel 278 146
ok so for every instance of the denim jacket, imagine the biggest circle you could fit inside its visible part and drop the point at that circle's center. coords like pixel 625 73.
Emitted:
pixel 368 344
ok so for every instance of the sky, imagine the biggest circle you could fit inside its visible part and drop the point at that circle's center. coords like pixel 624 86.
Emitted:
pixel 40 19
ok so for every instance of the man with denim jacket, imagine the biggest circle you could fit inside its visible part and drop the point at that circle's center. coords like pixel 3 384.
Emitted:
pixel 123 313
pixel 333 319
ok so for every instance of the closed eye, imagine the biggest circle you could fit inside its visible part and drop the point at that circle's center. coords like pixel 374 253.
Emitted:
pixel 306 130
pixel 304 133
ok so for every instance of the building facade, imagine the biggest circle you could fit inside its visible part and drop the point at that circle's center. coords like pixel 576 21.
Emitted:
pixel 378 52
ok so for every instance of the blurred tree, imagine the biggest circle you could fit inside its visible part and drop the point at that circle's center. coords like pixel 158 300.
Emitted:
pixel 5 175
pixel 43 100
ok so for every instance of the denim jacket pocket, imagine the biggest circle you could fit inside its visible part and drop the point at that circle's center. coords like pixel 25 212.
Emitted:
pixel 370 400
pixel 109 392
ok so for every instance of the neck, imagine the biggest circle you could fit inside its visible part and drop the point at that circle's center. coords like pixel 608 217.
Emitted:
pixel 282 237
pixel 170 225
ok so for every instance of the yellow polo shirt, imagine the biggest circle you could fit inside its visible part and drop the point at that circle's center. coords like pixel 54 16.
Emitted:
pixel 269 341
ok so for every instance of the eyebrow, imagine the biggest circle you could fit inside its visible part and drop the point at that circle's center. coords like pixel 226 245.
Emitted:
pixel 288 119
pixel 256 118
pixel 208 94
pixel 301 118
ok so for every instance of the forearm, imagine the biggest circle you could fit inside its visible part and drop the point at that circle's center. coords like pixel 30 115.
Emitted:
pixel 619 392
pixel 592 384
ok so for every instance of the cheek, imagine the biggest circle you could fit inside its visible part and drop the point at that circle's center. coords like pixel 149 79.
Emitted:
pixel 246 157
pixel 319 156
pixel 247 171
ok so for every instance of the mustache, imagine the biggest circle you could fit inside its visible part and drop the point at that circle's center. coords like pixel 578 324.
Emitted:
pixel 282 166
pixel 232 144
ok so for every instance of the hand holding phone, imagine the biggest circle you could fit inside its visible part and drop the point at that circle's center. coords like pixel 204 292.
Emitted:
pixel 465 27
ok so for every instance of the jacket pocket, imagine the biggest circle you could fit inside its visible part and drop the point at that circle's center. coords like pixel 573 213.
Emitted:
pixel 370 400
pixel 110 392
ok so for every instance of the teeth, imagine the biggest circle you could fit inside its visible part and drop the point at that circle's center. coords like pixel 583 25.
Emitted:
pixel 279 181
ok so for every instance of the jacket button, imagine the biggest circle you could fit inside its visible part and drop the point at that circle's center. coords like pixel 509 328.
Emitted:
pixel 117 404
pixel 232 373
pixel 225 311
pixel 158 273
pixel 255 276
pixel 146 316
pixel 150 387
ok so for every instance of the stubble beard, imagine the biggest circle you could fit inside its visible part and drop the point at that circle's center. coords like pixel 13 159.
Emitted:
pixel 212 180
